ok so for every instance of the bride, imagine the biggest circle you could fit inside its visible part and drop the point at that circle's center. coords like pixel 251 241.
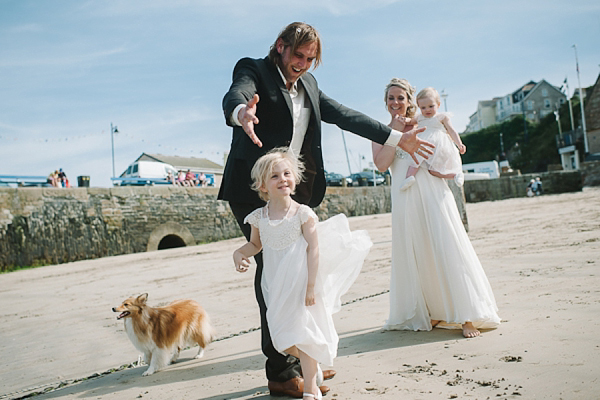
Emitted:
pixel 437 279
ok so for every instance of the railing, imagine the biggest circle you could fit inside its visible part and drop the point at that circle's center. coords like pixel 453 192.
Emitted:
pixel 140 181
pixel 24 180
pixel 569 138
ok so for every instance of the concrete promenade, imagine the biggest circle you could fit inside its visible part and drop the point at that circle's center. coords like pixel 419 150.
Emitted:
pixel 542 256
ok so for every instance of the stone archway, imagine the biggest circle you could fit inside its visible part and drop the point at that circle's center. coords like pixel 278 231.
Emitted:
pixel 170 235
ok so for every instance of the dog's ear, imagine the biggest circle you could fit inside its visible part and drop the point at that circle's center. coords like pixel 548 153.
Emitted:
pixel 143 297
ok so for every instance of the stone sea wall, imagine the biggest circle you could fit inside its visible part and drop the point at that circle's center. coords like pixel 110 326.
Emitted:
pixel 516 186
pixel 51 226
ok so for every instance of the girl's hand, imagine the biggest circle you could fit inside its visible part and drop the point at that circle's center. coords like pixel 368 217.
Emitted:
pixel 310 296
pixel 242 263
pixel 462 149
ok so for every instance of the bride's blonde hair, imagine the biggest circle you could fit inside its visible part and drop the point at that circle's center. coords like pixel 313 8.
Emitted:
pixel 403 84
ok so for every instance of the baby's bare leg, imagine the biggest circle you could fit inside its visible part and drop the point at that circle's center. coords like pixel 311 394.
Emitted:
pixel 412 171
pixel 443 176
pixel 410 178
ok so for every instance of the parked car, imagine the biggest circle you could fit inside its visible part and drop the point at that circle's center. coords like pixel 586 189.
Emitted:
pixel 365 178
pixel 333 179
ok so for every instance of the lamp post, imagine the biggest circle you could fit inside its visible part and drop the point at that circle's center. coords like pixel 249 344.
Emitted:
pixel 585 142
pixel 444 95
pixel 113 130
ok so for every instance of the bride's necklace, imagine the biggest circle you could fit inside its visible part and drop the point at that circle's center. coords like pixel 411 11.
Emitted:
pixel 278 221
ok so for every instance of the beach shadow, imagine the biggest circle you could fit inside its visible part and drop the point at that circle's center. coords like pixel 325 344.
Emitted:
pixel 184 370
pixel 377 339
pixel 252 393
pixel 189 369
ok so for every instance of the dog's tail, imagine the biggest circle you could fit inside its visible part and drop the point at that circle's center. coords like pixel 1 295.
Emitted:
pixel 205 332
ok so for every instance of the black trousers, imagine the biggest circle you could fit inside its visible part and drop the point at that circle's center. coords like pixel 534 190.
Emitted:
pixel 279 367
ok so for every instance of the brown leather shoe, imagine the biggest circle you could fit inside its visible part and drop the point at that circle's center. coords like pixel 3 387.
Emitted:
pixel 293 388
pixel 328 374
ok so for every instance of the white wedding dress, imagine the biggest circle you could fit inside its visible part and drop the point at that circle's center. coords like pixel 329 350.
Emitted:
pixel 285 276
pixel 436 274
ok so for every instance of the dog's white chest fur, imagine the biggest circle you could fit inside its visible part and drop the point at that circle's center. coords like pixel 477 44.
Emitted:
pixel 141 345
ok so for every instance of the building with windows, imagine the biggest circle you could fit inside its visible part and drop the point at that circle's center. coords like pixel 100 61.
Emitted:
pixel 532 100
pixel 484 116
pixel 592 117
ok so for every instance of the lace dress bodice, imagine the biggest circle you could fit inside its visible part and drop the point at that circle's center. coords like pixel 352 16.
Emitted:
pixel 279 234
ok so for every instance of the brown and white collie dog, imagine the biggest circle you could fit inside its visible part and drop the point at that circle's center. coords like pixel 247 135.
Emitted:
pixel 161 332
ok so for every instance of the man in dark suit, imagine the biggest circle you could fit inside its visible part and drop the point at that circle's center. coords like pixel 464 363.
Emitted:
pixel 275 102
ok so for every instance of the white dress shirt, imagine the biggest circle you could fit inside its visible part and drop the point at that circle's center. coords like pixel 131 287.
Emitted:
pixel 301 118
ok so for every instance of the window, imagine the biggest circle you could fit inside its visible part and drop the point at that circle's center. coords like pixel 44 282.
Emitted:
pixel 545 92
pixel 530 104
pixel 547 103
pixel 135 168
pixel 561 101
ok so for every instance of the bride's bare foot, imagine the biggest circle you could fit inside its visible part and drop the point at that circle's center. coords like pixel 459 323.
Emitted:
pixel 469 331
pixel 434 322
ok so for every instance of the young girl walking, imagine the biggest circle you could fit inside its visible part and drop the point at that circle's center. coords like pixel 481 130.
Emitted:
pixel 301 286
pixel 445 161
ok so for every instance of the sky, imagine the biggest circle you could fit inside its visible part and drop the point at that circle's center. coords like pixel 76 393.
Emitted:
pixel 158 69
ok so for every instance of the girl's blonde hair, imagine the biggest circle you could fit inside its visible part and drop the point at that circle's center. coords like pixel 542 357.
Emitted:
pixel 431 93
pixel 403 84
pixel 263 168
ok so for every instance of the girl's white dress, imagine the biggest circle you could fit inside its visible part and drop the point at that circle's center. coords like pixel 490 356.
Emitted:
pixel 436 273
pixel 446 157
pixel 285 276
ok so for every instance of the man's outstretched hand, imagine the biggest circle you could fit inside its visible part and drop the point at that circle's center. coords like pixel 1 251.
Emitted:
pixel 413 145
pixel 247 118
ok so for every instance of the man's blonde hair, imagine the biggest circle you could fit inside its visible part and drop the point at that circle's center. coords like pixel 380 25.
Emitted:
pixel 403 84
pixel 295 35
pixel 264 166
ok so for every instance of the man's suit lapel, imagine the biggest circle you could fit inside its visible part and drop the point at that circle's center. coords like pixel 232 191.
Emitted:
pixel 280 84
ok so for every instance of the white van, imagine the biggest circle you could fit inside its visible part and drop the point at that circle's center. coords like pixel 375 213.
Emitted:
pixel 149 169
pixel 479 169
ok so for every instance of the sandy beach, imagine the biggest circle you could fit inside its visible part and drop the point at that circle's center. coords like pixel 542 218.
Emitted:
pixel 541 256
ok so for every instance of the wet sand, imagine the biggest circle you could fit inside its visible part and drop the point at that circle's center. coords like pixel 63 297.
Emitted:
pixel 541 255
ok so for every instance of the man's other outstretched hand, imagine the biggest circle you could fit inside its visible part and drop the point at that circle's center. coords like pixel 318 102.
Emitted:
pixel 247 118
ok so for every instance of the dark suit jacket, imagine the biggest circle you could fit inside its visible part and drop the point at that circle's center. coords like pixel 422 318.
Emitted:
pixel 275 127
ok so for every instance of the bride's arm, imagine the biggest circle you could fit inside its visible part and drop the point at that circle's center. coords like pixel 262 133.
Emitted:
pixel 383 156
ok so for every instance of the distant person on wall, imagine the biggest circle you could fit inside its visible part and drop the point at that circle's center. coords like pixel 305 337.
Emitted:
pixel 530 188
pixel 190 178
pixel 274 102
pixel 170 178
pixel 445 161
pixel 202 179
pixel 538 187
pixel 63 177
pixel 51 179
pixel 181 179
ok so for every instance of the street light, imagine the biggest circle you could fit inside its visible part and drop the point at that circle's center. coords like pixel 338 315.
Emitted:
pixel 444 95
pixel 585 142
pixel 113 130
